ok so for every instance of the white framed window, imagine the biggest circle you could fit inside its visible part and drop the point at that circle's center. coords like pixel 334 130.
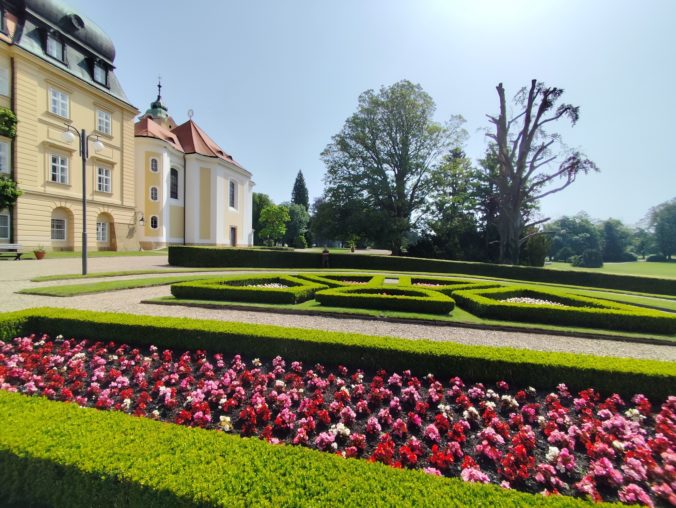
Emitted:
pixel 58 102
pixel 5 159
pixel 54 47
pixel 4 226
pixel 58 229
pixel 104 122
pixel 101 231
pixel 154 222
pixel 154 165
pixel 233 194
pixel 153 194
pixel 100 74
pixel 103 180
pixel 4 79
pixel 59 169
pixel 173 183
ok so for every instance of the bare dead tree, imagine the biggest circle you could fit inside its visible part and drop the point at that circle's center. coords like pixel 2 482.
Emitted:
pixel 527 156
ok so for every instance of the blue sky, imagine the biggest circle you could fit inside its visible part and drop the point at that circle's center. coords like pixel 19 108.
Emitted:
pixel 272 81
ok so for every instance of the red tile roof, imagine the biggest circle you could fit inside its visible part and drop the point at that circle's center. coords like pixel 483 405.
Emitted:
pixel 147 128
pixel 195 140
pixel 187 138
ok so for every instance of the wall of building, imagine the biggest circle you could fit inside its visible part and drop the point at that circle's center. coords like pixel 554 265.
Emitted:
pixel 40 135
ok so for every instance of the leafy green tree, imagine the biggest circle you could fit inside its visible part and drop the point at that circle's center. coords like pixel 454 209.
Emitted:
pixel 525 153
pixel 663 222
pixel 299 194
pixel 259 202
pixel 297 225
pixel 616 239
pixel 642 242
pixel 572 235
pixel 273 220
pixel 382 158
pixel 449 228
pixel 9 192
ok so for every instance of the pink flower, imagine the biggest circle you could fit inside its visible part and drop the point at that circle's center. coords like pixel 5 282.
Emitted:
pixel 472 474
pixel 632 494
pixel 432 433
pixel 372 426
pixel 324 440
pixel 603 470
pixel 433 471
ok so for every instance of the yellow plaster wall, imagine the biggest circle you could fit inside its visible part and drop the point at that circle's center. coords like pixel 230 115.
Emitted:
pixel 176 221
pixel 205 204
pixel 153 207
pixel 39 134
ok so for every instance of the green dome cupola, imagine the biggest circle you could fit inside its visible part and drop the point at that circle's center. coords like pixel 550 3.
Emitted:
pixel 158 111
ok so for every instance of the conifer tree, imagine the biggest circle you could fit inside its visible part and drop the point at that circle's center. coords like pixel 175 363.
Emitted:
pixel 299 194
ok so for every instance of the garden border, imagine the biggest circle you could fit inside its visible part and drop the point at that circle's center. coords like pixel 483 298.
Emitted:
pixel 426 301
pixel 622 375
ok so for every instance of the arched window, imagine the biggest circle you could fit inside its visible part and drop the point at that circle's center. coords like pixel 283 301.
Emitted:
pixel 153 165
pixel 153 194
pixel 173 183
pixel 154 221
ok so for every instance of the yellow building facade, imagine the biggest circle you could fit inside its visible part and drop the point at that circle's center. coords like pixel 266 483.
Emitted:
pixel 59 71
pixel 146 185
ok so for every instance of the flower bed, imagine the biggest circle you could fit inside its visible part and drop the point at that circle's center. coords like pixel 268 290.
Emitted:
pixel 576 444
pixel 406 299
pixel 248 288
pixel 447 286
pixel 574 310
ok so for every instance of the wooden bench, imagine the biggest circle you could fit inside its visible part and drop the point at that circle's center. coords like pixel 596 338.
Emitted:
pixel 11 249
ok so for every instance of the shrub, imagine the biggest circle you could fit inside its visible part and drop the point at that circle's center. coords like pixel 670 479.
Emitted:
pixel 248 288
pixel 446 286
pixel 590 258
pixel 540 369
pixel 180 255
pixel 341 279
pixel 397 298
pixel 575 310
pixel 656 258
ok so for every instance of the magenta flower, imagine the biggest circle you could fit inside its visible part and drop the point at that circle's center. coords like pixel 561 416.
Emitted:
pixel 432 433
pixel 633 494
pixel 475 475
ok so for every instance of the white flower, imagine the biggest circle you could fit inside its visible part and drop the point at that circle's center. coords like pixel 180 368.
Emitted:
pixel 491 395
pixel 619 446
pixel 634 415
pixel 552 454
pixel 256 362
pixel 225 423
pixel 156 413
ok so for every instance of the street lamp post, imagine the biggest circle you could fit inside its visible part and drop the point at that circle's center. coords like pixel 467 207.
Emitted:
pixel 68 136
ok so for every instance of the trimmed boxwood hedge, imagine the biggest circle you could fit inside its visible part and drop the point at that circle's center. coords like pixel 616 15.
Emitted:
pixel 405 299
pixel 336 280
pixel 479 363
pixel 242 289
pixel 182 255
pixel 577 310
pixel 447 286
pixel 58 454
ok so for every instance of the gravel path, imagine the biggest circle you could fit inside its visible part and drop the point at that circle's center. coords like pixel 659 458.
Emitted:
pixel 16 275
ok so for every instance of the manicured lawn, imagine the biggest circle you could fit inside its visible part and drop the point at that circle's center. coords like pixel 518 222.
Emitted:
pixel 641 268
pixel 102 287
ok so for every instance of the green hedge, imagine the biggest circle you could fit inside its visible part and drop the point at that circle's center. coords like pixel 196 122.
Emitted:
pixel 336 280
pixel 520 367
pixel 405 299
pixel 241 289
pixel 578 310
pixel 58 454
pixel 447 286
pixel 181 255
